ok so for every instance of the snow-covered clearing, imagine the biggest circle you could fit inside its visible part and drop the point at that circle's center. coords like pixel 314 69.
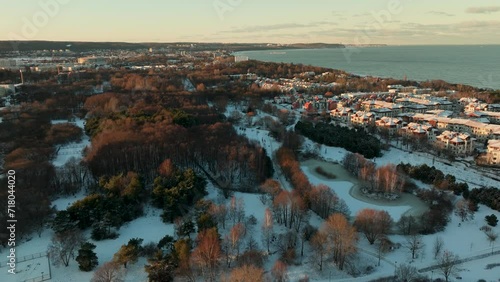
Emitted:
pixel 150 228
pixel 73 149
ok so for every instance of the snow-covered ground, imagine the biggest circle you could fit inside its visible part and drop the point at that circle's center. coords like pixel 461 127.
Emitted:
pixel 33 266
pixel 73 149
pixel 465 240
pixel 150 228
pixel 457 169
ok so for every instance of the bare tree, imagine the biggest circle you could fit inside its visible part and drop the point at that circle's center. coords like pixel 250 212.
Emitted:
pixel 236 210
pixel 319 244
pixel 383 247
pixel 64 245
pixel 438 246
pixel 279 271
pixel 407 225
pixel 342 238
pixel 491 236
pixel 108 272
pixel 247 273
pixel 219 213
pixel 267 229
pixel 448 264
pixel 407 273
pixel 414 244
pixel 236 236
pixel 374 224
pixel 462 210
pixel 207 254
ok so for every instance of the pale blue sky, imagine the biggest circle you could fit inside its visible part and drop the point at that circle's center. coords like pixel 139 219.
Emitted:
pixel 278 21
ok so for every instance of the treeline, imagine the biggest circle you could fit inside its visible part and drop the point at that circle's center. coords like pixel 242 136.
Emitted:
pixel 137 132
pixel 489 197
pixel 116 200
pixel 386 179
pixel 27 148
pixel 273 70
pixel 320 199
pixel 353 140
pixel 142 81
pixel 431 175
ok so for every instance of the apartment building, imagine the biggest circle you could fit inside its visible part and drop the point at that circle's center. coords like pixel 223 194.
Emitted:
pixel 459 144
pixel 493 152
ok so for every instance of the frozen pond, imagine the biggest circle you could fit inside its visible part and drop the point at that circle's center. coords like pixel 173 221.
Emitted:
pixel 413 204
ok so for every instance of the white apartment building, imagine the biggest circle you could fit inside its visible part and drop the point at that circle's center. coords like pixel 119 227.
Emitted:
pixel 459 144
pixel 493 153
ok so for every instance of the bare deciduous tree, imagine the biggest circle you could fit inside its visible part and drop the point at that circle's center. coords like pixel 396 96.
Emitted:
pixel 383 247
pixel 64 245
pixel 319 244
pixel 342 238
pixel 374 224
pixel 236 210
pixel 448 264
pixel 463 211
pixel 407 225
pixel 491 236
pixel 279 272
pixel 108 272
pixel 236 236
pixel 267 229
pixel 438 246
pixel 414 244
pixel 407 273
pixel 247 273
pixel 219 213
pixel 207 253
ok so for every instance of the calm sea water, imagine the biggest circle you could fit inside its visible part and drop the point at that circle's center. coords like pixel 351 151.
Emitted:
pixel 478 66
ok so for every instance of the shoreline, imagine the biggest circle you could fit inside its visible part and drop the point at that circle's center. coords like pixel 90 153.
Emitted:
pixel 477 85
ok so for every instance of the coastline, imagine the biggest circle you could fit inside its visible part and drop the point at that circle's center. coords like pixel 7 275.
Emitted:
pixel 415 63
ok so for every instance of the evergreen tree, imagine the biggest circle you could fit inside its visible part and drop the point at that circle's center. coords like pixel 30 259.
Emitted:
pixel 160 268
pixel 63 222
pixel 492 220
pixel 87 259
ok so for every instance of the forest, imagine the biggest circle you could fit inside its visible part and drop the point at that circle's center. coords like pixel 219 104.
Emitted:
pixel 153 144
pixel 353 140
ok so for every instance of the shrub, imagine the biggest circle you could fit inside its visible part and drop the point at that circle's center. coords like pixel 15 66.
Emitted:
pixel 325 173
pixel 491 219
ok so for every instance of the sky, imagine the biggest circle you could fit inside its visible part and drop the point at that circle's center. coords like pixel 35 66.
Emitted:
pixel 394 22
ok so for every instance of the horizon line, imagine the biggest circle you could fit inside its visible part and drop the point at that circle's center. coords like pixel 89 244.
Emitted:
pixel 274 43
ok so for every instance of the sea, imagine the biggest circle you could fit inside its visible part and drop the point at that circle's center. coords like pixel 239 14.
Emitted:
pixel 474 65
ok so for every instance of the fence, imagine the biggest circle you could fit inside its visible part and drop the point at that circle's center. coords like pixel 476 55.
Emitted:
pixel 39 278
pixel 32 256
pixel 25 258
